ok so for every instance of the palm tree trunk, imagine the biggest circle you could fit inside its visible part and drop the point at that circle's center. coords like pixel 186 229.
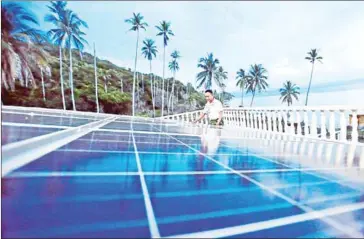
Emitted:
pixel 121 85
pixel 152 86
pixel 137 91
pixel 309 85
pixel 209 83
pixel 6 85
pixel 71 78
pixel 142 82
pixel 170 103
pixel 61 77
pixel 167 94
pixel 242 97
pixel 43 89
pixel 135 65
pixel 251 103
pixel 26 79
pixel 96 86
pixel 164 61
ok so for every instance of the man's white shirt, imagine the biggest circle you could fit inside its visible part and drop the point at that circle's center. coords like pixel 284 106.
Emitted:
pixel 213 109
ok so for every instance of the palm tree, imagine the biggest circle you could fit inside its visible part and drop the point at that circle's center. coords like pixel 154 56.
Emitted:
pixel 220 76
pixel 209 65
pixel 44 67
pixel 289 89
pixel 136 24
pixel 256 80
pixel 19 49
pixel 165 31
pixel 106 76
pixel 312 57
pixel 149 50
pixel 224 96
pixel 241 83
pixel 223 87
pixel 57 9
pixel 174 67
pixel 189 87
pixel 68 32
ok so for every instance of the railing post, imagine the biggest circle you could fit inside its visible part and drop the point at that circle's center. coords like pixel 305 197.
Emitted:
pixel 298 120
pixel 269 121
pixel 332 125
pixel 249 119
pixel 323 124
pixel 236 118
pixel 264 122
pixel 314 125
pixel 305 120
pixel 231 118
pixel 280 118
pixel 350 157
pixel 241 116
pixel 285 122
pixel 292 121
pixel 274 119
pixel 259 119
pixel 354 124
pixel 228 117
pixel 252 119
pixel 342 126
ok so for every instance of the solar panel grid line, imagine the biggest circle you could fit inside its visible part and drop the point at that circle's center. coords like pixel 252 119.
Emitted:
pixel 279 136
pixel 327 178
pixel 198 216
pixel 122 141
pixel 143 132
pixel 66 112
pixel 307 172
pixel 178 194
pixel 50 115
pixel 258 226
pixel 161 173
pixel 189 153
pixel 153 227
pixel 35 125
pixel 343 228
pixel 230 212
pixel 20 153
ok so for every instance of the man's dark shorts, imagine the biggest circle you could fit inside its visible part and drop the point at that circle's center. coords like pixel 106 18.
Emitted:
pixel 214 121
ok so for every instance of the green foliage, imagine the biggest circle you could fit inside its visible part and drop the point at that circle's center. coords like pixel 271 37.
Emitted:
pixel 114 97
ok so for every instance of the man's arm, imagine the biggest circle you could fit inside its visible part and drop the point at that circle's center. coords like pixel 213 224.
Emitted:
pixel 221 108
pixel 203 113
pixel 201 116
pixel 220 118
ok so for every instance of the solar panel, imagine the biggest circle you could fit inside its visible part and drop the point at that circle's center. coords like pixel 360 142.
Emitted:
pixel 125 177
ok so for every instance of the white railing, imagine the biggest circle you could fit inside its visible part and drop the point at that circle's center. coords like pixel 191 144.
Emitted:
pixel 334 123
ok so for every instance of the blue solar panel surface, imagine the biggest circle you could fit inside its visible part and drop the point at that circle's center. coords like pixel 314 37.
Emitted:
pixel 147 179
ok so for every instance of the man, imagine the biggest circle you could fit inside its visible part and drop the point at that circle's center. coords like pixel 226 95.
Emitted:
pixel 213 109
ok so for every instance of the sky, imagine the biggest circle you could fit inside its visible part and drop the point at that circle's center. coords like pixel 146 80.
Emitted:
pixel 277 35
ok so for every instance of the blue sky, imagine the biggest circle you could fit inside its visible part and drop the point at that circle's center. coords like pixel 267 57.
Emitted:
pixel 275 34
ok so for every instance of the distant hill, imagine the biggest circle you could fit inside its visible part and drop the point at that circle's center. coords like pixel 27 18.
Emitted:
pixel 114 87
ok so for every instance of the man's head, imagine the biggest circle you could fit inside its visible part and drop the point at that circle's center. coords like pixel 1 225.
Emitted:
pixel 209 96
